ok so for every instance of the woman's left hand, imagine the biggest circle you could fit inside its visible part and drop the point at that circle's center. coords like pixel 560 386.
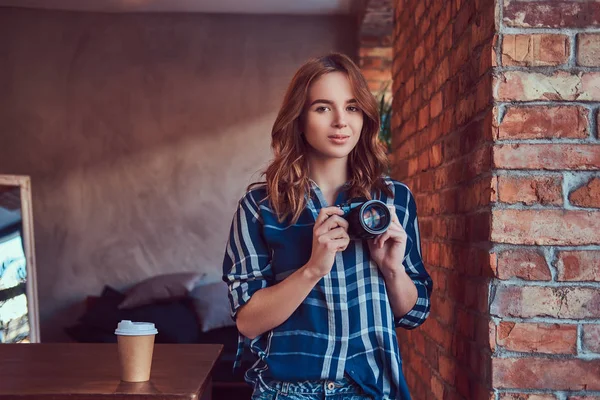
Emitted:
pixel 387 250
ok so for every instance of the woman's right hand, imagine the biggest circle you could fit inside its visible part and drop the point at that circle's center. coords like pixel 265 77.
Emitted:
pixel 330 235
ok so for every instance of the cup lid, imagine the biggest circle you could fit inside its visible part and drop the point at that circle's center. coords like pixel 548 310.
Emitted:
pixel 129 328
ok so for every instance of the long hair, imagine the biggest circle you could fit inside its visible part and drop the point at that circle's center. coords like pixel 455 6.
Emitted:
pixel 287 180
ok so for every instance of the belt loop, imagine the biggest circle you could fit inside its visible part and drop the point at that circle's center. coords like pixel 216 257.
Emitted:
pixel 285 388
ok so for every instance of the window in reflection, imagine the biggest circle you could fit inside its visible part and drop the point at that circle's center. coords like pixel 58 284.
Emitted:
pixel 14 324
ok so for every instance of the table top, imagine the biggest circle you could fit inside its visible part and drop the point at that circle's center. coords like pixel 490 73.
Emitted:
pixel 91 370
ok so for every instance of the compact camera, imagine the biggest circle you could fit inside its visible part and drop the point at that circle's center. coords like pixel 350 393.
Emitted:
pixel 366 219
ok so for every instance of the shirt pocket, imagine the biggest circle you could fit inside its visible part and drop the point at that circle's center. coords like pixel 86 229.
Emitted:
pixel 291 248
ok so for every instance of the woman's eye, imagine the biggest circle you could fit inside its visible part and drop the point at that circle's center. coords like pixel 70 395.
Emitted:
pixel 321 109
pixel 353 109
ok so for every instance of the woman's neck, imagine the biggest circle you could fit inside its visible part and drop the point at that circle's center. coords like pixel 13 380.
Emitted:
pixel 329 174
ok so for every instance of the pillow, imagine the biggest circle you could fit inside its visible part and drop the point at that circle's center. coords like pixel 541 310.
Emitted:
pixel 175 321
pixel 159 288
pixel 83 333
pixel 211 304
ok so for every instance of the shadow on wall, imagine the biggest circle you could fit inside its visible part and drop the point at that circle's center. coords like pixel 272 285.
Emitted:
pixel 140 133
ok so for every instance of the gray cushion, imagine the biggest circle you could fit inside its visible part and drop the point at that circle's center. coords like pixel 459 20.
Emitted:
pixel 165 287
pixel 211 305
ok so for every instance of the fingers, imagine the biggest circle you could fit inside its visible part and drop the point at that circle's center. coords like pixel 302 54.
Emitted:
pixel 331 223
pixel 335 240
pixel 325 213
pixel 393 213
pixel 380 240
pixel 340 244
pixel 394 232
pixel 334 234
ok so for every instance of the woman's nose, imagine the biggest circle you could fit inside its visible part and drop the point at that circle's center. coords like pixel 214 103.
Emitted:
pixel 340 120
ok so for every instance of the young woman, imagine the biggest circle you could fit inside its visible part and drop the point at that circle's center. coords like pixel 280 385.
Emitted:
pixel 319 308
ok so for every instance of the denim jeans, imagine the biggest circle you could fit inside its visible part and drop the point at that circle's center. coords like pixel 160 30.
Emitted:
pixel 344 389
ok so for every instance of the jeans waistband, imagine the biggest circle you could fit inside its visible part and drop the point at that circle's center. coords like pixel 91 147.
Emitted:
pixel 344 385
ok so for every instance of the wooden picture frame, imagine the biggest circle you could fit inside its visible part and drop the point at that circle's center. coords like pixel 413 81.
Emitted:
pixel 24 184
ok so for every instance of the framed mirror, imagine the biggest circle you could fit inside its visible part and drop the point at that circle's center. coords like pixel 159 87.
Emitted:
pixel 19 316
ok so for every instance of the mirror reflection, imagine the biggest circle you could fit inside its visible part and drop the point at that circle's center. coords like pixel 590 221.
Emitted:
pixel 18 305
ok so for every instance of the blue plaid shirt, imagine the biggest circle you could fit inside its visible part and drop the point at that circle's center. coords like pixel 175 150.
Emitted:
pixel 346 323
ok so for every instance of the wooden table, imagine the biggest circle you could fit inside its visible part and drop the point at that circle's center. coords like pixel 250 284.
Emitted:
pixel 91 371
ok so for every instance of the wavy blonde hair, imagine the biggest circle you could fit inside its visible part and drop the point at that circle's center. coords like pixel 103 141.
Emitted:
pixel 287 180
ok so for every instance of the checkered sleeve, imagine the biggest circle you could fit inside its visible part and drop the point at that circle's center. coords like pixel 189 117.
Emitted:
pixel 413 262
pixel 247 261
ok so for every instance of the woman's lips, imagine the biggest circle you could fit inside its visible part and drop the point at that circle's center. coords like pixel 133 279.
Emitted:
pixel 338 139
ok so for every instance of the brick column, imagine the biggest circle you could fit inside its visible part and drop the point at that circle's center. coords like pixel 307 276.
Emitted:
pixel 442 121
pixel 545 302
pixel 496 108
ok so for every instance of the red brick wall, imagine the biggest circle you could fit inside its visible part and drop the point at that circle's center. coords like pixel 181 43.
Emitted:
pixel 375 44
pixel 496 115
pixel 545 302
pixel 442 141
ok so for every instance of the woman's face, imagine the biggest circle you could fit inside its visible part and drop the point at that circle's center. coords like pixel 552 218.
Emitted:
pixel 332 120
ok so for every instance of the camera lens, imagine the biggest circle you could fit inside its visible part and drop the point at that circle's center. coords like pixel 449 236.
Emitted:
pixel 375 216
pixel 368 219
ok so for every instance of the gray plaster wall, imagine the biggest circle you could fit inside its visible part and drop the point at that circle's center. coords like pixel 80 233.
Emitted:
pixel 140 133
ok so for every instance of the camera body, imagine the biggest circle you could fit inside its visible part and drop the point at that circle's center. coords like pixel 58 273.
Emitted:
pixel 367 219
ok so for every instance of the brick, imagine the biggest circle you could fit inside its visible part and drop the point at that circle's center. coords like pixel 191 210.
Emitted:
pixel 423 163
pixel 590 87
pixel 442 20
pixel 535 50
pixel 483 28
pixel 371 63
pixel 545 227
pixel 423 117
pixel 547 156
pixel 484 98
pixel 438 333
pixel 465 110
pixel 419 55
pixel 581 265
pixel 587 195
pixel 552 14
pixel 544 122
pixel 588 49
pixel 545 190
pixel 377 75
pixel 419 11
pixel 383 52
pixel 537 338
pixel 526 396
pixel 444 309
pixel 436 105
pixel 561 85
pixel 437 388
pixel 410 85
pixel 545 373
pixel 528 264
pixel 541 301
pixel 435 156
pixel 461 54
pixel 591 338
pixel 447 368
